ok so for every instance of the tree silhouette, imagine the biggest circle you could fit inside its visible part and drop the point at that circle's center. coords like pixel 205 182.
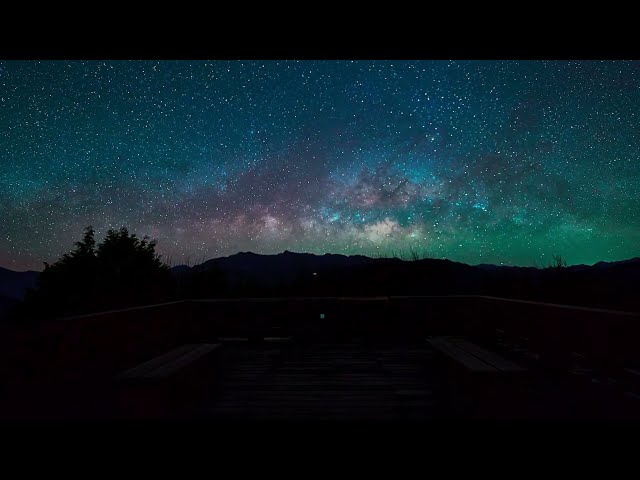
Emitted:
pixel 68 284
pixel 131 270
pixel 88 243
pixel 121 271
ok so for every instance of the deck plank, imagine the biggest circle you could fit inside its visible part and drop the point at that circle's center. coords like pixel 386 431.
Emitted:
pixel 327 381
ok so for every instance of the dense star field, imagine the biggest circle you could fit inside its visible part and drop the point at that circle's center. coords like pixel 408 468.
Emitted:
pixel 503 162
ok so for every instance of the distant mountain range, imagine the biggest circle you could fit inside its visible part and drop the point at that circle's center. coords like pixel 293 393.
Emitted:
pixel 605 283
pixel 15 284
pixel 13 287
pixel 284 267
pixel 287 263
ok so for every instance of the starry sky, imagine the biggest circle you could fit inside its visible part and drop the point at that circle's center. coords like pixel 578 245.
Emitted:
pixel 505 162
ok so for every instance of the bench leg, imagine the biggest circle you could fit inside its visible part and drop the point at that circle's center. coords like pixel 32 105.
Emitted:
pixel 143 400
pixel 478 395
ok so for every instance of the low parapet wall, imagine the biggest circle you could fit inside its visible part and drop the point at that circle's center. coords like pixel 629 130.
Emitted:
pixel 607 338
pixel 107 341
pixel 74 347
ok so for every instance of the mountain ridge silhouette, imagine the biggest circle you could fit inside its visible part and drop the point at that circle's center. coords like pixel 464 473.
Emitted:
pixel 232 259
pixel 607 284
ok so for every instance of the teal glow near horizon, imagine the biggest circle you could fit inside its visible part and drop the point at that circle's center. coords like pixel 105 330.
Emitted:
pixel 504 162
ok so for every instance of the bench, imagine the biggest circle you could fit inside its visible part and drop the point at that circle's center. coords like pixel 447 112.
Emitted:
pixel 277 339
pixel 472 357
pixel 482 383
pixel 166 383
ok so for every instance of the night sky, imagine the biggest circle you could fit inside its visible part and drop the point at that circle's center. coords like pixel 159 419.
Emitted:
pixel 476 161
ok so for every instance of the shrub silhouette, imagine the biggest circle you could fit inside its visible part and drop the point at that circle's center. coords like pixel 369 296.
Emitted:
pixel 121 271
pixel 558 262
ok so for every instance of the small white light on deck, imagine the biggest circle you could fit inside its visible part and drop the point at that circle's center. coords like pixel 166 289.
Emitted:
pixel 315 274
pixel 322 315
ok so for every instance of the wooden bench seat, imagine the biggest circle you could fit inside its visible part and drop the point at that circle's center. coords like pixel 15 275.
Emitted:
pixel 168 385
pixel 277 339
pixel 466 359
pixel 483 383
pixel 473 357
pixel 169 363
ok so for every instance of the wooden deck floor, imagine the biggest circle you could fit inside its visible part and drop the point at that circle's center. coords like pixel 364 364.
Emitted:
pixel 325 382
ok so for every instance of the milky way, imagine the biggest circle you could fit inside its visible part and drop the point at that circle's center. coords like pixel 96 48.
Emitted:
pixel 476 161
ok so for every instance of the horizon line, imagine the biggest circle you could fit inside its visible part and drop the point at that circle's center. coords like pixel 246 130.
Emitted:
pixel 381 256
